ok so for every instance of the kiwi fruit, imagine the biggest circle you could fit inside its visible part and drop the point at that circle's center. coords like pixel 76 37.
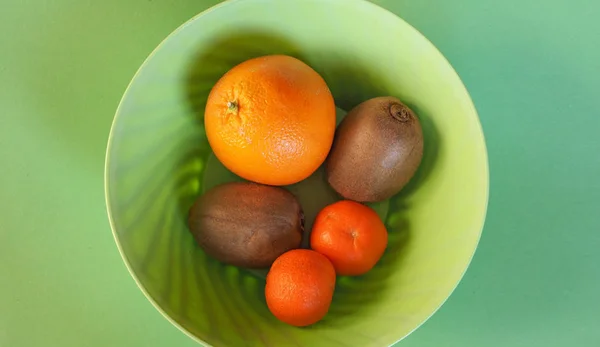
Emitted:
pixel 376 150
pixel 246 224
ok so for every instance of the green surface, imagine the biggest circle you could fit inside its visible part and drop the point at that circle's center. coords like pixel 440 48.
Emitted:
pixel 159 162
pixel 532 68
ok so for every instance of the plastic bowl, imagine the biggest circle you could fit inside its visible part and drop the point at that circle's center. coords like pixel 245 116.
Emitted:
pixel 159 161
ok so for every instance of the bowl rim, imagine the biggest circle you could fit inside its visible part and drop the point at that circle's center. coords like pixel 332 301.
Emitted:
pixel 367 3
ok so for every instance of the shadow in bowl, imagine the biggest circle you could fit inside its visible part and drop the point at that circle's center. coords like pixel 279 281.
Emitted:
pixel 349 82
pixel 431 149
pixel 354 296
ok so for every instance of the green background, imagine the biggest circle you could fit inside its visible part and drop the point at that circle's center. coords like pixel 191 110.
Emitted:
pixel 531 66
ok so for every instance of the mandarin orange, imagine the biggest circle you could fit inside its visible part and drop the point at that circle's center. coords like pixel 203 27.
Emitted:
pixel 300 286
pixel 351 235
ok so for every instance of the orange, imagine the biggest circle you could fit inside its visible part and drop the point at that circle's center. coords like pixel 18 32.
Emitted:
pixel 271 120
pixel 300 287
pixel 351 235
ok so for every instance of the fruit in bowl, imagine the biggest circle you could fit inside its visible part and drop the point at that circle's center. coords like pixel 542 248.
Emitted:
pixel 245 224
pixel 160 162
pixel 271 120
pixel 378 149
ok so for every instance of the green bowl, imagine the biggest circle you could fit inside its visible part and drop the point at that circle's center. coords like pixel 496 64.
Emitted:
pixel 159 161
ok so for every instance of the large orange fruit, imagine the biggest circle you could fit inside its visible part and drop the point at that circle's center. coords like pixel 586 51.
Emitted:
pixel 300 286
pixel 351 235
pixel 271 120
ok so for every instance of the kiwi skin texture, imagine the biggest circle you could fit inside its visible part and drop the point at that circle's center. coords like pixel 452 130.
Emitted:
pixel 377 149
pixel 246 224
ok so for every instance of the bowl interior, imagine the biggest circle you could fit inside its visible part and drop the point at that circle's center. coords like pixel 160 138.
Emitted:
pixel 159 161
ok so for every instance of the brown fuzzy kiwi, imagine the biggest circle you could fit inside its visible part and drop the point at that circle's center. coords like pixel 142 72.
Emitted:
pixel 247 224
pixel 376 151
